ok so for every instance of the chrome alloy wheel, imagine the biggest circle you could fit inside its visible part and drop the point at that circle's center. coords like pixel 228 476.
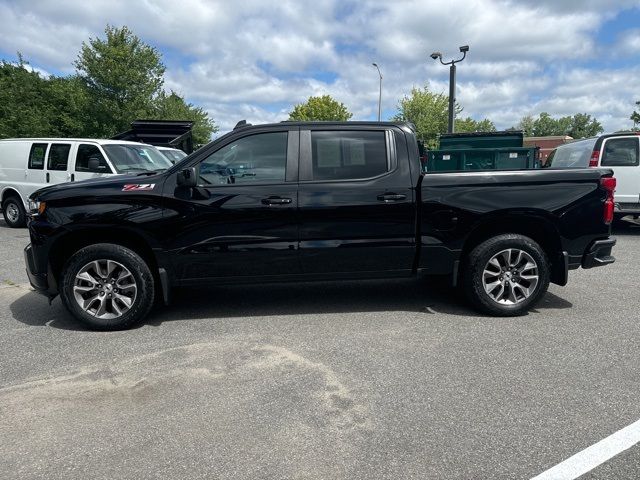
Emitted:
pixel 13 214
pixel 510 277
pixel 105 289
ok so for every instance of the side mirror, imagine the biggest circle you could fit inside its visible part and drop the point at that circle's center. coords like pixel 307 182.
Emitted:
pixel 94 164
pixel 188 177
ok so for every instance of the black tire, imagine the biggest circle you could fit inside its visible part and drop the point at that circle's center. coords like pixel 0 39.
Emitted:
pixel 473 275
pixel 136 266
pixel 11 207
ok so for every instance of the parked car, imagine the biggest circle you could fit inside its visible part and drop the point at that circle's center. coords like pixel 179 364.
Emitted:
pixel 314 201
pixel 28 164
pixel 618 151
pixel 173 154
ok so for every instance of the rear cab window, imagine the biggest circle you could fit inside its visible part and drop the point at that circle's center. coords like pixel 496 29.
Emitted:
pixel 620 152
pixel 348 155
pixel 37 155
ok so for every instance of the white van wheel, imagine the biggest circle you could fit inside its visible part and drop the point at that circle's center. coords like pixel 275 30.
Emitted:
pixel 14 213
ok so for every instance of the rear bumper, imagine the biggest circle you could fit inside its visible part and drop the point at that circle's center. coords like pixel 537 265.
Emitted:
pixel 599 254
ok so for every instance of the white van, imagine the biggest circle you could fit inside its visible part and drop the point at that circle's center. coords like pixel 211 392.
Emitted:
pixel 618 151
pixel 28 164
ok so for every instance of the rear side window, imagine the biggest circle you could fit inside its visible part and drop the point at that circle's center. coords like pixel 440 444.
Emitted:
pixel 85 152
pixel 620 152
pixel 58 156
pixel 36 156
pixel 348 155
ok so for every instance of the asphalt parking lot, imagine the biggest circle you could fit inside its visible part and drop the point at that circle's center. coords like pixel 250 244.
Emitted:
pixel 373 379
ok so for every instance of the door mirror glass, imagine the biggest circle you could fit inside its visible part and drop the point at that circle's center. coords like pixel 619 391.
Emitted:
pixel 96 164
pixel 188 177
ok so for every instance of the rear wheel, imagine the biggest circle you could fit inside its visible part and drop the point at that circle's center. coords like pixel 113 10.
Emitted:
pixel 506 275
pixel 14 212
pixel 107 287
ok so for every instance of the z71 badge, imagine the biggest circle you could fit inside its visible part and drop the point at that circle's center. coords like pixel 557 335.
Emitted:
pixel 131 187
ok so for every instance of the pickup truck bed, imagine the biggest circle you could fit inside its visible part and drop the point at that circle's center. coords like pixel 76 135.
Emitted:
pixel 309 201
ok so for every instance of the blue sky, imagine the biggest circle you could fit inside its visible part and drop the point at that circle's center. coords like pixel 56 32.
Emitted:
pixel 256 59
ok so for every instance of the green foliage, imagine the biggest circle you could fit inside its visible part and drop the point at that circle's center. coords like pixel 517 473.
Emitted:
pixel 174 107
pixel 123 75
pixel 323 108
pixel 119 79
pixel 428 111
pixel 635 117
pixel 470 125
pixel 580 125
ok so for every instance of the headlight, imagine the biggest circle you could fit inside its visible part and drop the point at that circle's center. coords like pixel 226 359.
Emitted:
pixel 36 208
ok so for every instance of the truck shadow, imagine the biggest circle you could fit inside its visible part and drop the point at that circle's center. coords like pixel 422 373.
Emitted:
pixel 625 227
pixel 425 297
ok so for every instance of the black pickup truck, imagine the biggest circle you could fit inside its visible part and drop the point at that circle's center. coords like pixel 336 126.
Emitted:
pixel 314 201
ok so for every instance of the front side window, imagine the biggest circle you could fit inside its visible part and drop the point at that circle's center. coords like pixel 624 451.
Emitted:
pixel 348 155
pixel 136 158
pixel 260 158
pixel 90 159
pixel 36 156
pixel 58 157
pixel 620 152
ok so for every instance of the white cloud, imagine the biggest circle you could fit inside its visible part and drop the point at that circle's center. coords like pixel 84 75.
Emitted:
pixel 255 59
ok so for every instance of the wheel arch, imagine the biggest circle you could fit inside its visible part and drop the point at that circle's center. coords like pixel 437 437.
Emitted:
pixel 10 192
pixel 539 227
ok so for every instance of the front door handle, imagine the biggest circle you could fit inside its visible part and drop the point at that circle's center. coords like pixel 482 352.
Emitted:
pixel 275 201
pixel 391 197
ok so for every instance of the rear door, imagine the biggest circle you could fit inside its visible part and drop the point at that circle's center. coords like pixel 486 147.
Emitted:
pixel 58 163
pixel 35 172
pixel 622 155
pixel 356 202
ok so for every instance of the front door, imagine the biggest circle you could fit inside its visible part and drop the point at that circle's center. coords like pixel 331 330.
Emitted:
pixel 356 203
pixel 621 154
pixel 58 163
pixel 83 170
pixel 241 221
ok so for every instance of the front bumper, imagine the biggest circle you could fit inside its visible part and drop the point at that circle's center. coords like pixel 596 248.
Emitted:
pixel 599 254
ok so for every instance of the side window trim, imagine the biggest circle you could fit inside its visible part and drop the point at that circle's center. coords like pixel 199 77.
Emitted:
pixel 636 140
pixel 306 157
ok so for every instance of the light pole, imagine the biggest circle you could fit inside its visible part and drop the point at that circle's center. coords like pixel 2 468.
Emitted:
pixel 452 82
pixel 380 93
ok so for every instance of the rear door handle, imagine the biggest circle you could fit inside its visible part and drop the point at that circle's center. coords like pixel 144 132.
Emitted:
pixel 47 177
pixel 275 201
pixel 391 197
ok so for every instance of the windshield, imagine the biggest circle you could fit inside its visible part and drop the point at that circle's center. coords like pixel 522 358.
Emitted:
pixel 173 155
pixel 127 158
pixel 572 155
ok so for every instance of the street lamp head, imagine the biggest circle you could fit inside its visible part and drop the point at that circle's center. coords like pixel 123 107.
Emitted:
pixel 436 55
pixel 375 64
pixel 464 48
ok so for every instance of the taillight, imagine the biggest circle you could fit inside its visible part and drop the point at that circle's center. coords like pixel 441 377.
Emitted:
pixel 609 184
pixel 595 156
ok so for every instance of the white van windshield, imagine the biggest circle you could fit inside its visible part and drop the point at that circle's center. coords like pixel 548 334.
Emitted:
pixel 128 158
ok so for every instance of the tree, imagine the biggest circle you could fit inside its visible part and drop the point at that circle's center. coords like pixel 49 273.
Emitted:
pixel 428 111
pixel 580 125
pixel 174 107
pixel 635 117
pixel 470 125
pixel 319 109
pixel 123 76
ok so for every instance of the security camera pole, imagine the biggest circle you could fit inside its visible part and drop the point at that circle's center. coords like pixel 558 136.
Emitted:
pixel 452 82
pixel 380 91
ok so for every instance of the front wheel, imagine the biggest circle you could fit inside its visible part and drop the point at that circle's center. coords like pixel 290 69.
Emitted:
pixel 107 287
pixel 14 212
pixel 506 275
